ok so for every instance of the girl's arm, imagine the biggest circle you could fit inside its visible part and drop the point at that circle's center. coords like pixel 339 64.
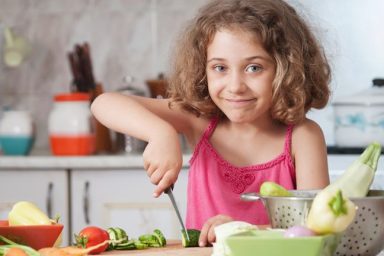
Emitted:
pixel 150 120
pixel 310 156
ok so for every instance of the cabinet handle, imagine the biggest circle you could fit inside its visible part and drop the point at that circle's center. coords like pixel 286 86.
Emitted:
pixel 86 203
pixel 49 199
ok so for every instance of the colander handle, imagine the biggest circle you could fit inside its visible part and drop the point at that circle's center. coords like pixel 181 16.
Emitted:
pixel 250 197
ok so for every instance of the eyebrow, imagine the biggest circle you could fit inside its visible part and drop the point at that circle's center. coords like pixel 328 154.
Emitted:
pixel 248 59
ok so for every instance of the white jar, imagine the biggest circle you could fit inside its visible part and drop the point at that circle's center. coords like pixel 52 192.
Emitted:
pixel 359 118
pixel 70 125
pixel 16 132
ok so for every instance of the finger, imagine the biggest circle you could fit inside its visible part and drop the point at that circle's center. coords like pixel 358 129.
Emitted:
pixel 203 239
pixel 166 181
pixel 150 170
pixel 156 176
pixel 211 234
pixel 146 165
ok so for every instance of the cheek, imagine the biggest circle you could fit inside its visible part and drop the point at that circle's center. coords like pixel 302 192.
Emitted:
pixel 214 85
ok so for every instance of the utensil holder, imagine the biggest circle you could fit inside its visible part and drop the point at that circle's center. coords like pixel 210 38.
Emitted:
pixel 103 142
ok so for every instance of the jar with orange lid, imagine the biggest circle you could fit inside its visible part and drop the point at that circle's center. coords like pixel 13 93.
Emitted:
pixel 70 125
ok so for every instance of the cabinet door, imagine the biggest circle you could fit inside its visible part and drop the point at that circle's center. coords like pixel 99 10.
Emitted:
pixel 123 198
pixel 338 164
pixel 47 189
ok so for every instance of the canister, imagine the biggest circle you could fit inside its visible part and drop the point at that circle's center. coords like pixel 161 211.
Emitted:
pixel 359 118
pixel 16 132
pixel 70 125
pixel 131 144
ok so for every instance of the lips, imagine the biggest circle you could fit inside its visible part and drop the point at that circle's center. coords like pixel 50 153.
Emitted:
pixel 240 102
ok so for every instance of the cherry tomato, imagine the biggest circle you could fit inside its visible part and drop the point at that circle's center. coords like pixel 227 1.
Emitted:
pixel 91 236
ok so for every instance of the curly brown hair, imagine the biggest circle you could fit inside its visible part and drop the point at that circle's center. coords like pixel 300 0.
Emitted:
pixel 302 70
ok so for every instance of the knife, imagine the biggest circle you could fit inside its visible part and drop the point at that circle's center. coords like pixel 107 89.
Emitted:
pixel 169 192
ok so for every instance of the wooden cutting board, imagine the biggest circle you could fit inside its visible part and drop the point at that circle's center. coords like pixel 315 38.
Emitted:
pixel 173 248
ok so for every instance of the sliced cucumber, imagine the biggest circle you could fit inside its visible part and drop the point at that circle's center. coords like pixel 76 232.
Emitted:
pixel 148 239
pixel 121 234
pixel 117 236
pixel 193 241
pixel 129 245
pixel 139 245
pixel 160 237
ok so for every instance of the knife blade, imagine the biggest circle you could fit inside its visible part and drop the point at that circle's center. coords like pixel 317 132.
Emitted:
pixel 169 192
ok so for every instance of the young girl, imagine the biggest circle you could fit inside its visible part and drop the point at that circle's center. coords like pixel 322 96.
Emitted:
pixel 245 74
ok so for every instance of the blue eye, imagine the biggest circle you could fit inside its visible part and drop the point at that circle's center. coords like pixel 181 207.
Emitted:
pixel 253 68
pixel 219 68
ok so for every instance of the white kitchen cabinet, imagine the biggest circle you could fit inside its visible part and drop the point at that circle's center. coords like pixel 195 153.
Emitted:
pixel 48 189
pixel 123 198
pixel 339 163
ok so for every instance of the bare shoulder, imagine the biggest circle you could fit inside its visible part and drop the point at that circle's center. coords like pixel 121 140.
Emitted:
pixel 309 152
pixel 307 130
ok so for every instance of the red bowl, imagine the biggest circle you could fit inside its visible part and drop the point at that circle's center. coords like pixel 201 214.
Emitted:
pixel 35 236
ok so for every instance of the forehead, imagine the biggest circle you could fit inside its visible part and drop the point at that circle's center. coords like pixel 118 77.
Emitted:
pixel 236 41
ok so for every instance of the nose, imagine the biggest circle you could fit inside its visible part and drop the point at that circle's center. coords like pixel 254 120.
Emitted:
pixel 236 82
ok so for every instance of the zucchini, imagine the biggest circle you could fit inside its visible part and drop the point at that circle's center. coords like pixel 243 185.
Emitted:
pixel 139 245
pixel 119 240
pixel 193 241
pixel 129 245
pixel 117 236
pixel 357 179
pixel 160 237
pixel 148 239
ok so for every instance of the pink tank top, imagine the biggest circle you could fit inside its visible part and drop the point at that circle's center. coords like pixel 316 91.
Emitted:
pixel 215 185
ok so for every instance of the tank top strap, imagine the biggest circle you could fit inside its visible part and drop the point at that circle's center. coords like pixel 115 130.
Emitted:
pixel 206 135
pixel 210 128
pixel 288 140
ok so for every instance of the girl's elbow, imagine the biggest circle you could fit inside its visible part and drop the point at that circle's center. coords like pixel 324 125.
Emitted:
pixel 99 103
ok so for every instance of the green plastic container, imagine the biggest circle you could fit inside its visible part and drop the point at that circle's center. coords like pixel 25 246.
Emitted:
pixel 16 145
pixel 273 243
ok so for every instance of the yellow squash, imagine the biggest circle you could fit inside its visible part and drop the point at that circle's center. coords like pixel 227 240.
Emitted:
pixel 27 213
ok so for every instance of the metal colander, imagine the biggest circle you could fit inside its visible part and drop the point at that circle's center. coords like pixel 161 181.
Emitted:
pixel 364 237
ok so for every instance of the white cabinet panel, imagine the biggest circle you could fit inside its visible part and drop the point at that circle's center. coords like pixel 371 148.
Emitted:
pixel 123 198
pixel 47 189
pixel 339 163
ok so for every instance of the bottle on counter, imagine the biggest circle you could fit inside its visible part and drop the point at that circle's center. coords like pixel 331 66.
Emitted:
pixel 16 132
pixel 70 125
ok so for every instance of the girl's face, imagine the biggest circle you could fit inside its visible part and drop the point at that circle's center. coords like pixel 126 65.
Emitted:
pixel 240 74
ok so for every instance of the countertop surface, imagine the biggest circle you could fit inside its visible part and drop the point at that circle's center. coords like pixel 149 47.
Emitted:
pixel 125 161
pixel 173 248
pixel 46 161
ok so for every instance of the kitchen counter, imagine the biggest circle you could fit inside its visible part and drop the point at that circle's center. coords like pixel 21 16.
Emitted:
pixel 45 161
pixel 173 248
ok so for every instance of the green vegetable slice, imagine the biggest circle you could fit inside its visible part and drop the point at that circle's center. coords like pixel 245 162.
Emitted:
pixel 117 236
pixel 160 237
pixel 193 241
pixel 148 239
pixel 129 245
pixel 139 245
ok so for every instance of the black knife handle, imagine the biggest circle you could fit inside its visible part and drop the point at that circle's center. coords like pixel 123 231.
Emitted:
pixel 169 188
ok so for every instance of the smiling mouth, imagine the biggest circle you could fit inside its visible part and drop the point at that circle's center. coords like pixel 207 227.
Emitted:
pixel 240 100
pixel 240 103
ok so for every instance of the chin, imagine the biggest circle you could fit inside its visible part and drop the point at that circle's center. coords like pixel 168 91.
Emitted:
pixel 240 119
